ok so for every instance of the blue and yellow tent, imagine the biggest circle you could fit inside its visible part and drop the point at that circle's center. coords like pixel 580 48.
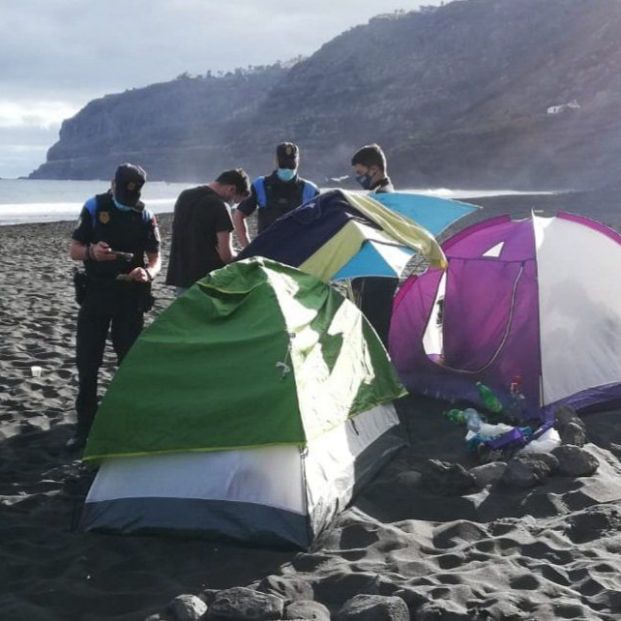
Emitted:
pixel 340 234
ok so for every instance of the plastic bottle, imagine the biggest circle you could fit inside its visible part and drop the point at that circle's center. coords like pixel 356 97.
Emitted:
pixel 516 385
pixel 479 431
pixel 472 419
pixel 469 416
pixel 490 400
pixel 455 415
pixel 517 407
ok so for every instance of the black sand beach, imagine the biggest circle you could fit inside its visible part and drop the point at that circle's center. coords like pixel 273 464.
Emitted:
pixel 458 549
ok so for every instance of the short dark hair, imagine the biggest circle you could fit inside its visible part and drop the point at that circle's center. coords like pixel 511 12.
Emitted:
pixel 288 155
pixel 237 177
pixel 370 155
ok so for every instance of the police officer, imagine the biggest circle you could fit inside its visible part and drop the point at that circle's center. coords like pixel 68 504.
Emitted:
pixel 276 194
pixel 115 233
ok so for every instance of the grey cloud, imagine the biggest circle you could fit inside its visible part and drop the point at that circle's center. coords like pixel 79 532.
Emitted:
pixel 27 136
pixel 102 45
pixel 71 51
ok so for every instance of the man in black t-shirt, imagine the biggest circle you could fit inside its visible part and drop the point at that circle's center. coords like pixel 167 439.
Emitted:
pixel 201 231
pixel 115 233
pixel 275 194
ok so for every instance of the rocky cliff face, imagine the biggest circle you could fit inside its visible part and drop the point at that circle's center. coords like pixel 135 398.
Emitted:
pixel 176 130
pixel 470 94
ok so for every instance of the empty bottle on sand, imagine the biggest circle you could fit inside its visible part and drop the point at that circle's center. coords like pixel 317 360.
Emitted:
pixel 472 419
pixel 490 400
pixel 469 416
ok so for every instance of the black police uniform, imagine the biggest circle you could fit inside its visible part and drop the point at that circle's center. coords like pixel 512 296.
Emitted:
pixel 109 302
pixel 275 197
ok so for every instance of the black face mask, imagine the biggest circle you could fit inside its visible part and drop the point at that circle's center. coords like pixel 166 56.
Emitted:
pixel 365 181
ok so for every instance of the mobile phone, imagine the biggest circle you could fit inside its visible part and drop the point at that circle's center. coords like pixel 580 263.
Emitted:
pixel 126 256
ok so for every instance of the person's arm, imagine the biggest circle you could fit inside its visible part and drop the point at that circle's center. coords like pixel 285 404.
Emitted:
pixel 90 252
pixel 148 273
pixel 244 209
pixel 152 250
pixel 241 228
pixel 79 251
pixel 224 246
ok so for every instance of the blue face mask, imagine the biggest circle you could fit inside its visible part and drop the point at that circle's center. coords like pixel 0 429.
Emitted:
pixel 364 181
pixel 286 174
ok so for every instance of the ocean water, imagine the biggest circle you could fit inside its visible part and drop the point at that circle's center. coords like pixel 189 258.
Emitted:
pixel 26 200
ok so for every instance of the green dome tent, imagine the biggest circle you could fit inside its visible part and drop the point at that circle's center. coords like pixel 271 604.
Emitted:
pixel 251 408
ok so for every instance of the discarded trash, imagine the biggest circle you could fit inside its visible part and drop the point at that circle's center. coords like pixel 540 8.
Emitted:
pixel 36 371
pixel 491 441
pixel 469 416
pixel 545 443
pixel 479 431
pixel 490 435
pixel 517 408
pixel 490 400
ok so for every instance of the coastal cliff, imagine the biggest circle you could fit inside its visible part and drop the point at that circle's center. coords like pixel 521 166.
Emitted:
pixel 476 93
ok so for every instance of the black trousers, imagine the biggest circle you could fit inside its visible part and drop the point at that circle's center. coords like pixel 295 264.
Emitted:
pixel 114 309
pixel 374 296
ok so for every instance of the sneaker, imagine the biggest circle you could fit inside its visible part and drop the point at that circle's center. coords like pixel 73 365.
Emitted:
pixel 75 443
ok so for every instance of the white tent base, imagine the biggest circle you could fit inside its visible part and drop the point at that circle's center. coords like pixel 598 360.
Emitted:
pixel 271 495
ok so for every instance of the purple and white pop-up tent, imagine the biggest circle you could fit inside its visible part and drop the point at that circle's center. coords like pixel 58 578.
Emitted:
pixel 538 298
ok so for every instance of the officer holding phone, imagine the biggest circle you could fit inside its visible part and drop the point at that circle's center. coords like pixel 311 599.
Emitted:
pixel 118 240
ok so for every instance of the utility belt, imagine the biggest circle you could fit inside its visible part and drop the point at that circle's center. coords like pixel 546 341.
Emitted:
pixel 84 284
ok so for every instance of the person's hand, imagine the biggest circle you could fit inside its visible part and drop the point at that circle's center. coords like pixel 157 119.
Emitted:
pixel 102 252
pixel 139 274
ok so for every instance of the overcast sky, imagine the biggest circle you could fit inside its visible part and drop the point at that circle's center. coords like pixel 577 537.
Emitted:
pixel 56 55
